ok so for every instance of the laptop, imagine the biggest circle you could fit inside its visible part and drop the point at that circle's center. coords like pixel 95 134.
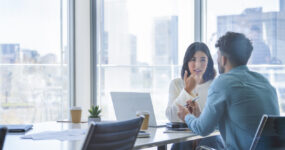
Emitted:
pixel 18 128
pixel 126 104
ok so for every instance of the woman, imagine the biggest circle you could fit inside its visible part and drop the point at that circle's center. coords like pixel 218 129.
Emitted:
pixel 197 74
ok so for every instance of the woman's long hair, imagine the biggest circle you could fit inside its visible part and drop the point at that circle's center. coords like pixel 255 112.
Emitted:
pixel 210 72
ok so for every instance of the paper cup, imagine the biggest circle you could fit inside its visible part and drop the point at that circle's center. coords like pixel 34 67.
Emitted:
pixel 75 114
pixel 146 119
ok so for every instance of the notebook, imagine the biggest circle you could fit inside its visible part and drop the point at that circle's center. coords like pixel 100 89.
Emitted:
pixel 126 104
pixel 176 125
pixel 18 127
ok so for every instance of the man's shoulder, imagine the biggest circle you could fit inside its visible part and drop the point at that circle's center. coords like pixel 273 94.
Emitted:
pixel 224 79
pixel 221 82
pixel 229 79
pixel 259 77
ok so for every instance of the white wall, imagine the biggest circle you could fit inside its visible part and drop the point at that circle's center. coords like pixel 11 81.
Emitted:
pixel 82 55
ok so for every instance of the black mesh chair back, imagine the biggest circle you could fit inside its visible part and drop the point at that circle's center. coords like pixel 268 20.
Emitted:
pixel 3 132
pixel 270 134
pixel 112 136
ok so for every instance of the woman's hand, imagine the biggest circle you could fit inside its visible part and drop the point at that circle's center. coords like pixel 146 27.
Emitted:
pixel 191 82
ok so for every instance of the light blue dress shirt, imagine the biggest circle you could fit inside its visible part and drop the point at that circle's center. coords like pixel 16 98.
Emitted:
pixel 235 104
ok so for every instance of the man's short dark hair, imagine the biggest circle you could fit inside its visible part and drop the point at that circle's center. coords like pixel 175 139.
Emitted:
pixel 236 47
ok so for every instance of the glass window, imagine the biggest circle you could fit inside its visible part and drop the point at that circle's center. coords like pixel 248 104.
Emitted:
pixel 263 22
pixel 33 61
pixel 141 48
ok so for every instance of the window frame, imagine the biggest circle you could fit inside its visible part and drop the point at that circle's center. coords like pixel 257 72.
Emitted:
pixel 199 8
pixel 71 45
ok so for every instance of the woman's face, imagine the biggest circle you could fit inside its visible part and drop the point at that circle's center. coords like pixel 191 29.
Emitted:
pixel 198 63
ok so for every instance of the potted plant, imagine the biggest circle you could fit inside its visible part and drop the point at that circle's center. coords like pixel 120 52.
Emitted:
pixel 95 112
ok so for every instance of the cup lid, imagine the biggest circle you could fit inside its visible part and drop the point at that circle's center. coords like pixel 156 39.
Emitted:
pixel 75 108
pixel 142 113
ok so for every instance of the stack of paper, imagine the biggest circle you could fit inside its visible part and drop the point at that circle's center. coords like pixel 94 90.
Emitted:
pixel 71 135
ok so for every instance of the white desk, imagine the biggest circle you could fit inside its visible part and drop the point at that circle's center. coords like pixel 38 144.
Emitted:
pixel 156 139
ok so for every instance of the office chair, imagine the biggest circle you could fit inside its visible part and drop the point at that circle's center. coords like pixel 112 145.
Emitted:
pixel 110 136
pixel 270 134
pixel 3 132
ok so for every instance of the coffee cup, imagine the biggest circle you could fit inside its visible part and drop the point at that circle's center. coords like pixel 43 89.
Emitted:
pixel 144 125
pixel 75 114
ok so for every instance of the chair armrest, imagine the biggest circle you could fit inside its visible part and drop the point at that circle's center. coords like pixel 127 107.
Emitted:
pixel 204 148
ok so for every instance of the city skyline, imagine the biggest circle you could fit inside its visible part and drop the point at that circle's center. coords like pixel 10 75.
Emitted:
pixel 13 53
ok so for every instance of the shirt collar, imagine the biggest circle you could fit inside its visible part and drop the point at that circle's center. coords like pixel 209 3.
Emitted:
pixel 239 68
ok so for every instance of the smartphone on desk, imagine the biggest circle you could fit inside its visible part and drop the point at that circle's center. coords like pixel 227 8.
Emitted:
pixel 143 134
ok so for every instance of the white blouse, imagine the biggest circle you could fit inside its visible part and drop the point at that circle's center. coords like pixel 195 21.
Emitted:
pixel 177 94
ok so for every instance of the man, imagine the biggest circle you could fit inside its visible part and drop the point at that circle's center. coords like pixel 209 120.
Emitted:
pixel 236 100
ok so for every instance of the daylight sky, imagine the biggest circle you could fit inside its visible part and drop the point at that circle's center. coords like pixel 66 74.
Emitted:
pixel 35 24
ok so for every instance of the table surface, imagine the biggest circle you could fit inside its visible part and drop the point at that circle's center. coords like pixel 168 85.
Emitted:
pixel 157 138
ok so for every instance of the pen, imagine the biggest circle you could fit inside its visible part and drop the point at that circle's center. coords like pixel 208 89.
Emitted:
pixel 194 100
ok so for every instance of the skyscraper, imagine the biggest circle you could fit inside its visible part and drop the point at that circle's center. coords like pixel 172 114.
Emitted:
pixel 9 53
pixel 166 40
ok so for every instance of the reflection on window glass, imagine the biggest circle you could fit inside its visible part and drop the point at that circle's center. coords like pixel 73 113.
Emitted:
pixel 33 61
pixel 141 45
pixel 263 22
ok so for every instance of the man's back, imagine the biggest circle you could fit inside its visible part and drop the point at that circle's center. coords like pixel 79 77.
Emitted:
pixel 247 96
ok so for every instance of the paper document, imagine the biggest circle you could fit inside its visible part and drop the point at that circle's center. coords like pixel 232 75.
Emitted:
pixel 70 135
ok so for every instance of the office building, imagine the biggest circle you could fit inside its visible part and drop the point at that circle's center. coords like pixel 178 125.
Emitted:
pixel 9 53
pixel 271 25
pixel 165 40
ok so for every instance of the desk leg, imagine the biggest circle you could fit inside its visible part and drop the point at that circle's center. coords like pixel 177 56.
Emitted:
pixel 163 147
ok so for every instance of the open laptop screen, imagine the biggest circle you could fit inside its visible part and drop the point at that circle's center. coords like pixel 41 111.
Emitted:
pixel 126 104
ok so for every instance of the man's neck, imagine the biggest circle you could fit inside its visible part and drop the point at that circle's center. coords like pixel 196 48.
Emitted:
pixel 228 67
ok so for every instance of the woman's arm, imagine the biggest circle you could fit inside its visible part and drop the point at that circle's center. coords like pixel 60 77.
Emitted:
pixel 177 94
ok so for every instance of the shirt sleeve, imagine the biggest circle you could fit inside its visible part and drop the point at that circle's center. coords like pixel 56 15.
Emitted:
pixel 214 110
pixel 176 96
